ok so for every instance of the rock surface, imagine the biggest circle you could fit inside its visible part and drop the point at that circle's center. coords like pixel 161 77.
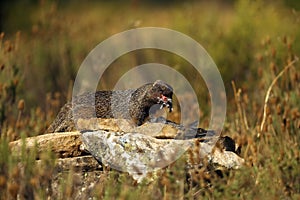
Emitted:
pixel 136 150
pixel 139 154
pixel 62 144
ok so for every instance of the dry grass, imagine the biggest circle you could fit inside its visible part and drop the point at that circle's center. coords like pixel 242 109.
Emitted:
pixel 251 48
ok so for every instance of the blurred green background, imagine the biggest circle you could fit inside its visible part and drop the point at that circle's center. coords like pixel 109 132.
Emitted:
pixel 42 44
pixel 55 37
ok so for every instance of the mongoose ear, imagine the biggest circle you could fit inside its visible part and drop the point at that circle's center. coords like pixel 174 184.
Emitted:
pixel 162 83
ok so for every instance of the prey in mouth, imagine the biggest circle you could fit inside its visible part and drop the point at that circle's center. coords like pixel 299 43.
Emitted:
pixel 165 102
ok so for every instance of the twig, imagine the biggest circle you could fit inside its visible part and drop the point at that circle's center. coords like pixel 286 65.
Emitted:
pixel 269 91
pixel 241 112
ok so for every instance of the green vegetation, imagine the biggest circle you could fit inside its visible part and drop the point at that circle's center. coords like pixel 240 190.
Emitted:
pixel 251 43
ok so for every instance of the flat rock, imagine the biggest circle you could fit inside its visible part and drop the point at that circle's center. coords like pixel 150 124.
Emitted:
pixel 158 130
pixel 125 147
pixel 140 154
pixel 62 144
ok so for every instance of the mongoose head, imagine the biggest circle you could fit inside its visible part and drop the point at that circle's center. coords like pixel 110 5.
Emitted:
pixel 148 95
pixel 162 93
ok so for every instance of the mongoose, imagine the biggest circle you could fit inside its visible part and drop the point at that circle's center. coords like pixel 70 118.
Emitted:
pixel 131 104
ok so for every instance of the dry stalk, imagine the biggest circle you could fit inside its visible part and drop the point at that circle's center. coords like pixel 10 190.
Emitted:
pixel 237 96
pixel 269 91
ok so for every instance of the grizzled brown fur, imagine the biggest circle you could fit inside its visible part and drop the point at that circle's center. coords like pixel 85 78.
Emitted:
pixel 131 104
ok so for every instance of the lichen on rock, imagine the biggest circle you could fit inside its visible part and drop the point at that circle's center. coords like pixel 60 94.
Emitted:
pixel 140 154
pixel 135 153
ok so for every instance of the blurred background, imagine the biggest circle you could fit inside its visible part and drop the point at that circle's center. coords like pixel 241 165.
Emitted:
pixel 44 42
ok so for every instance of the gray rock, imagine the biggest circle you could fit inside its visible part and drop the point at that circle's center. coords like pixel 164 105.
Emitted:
pixel 140 154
